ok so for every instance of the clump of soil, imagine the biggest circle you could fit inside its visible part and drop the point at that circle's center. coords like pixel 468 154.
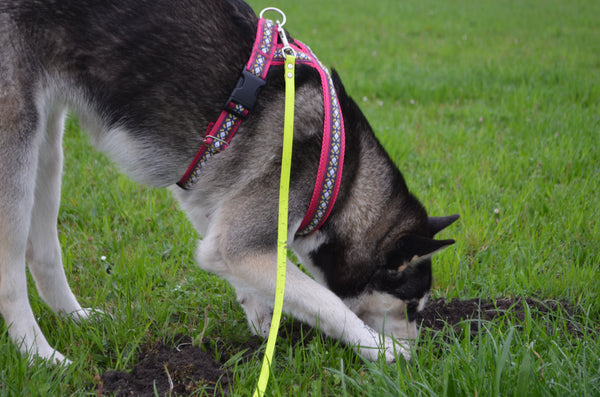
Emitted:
pixel 439 312
pixel 179 368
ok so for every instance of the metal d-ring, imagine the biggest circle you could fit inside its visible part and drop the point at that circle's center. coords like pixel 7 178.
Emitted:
pixel 214 138
pixel 276 10
pixel 287 48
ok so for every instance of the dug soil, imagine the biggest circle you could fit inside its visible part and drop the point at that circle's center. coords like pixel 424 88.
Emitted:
pixel 179 368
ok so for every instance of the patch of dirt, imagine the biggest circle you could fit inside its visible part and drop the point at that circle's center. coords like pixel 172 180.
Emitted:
pixel 439 312
pixel 179 368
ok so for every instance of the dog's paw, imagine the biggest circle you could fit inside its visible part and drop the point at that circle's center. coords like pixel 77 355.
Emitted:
pixel 260 325
pixel 59 359
pixel 395 348
pixel 49 355
pixel 390 349
pixel 258 313
pixel 86 314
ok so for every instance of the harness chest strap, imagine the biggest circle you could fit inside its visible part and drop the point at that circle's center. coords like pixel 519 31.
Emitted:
pixel 266 52
pixel 331 161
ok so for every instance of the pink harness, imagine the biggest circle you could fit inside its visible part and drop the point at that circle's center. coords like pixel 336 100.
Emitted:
pixel 266 51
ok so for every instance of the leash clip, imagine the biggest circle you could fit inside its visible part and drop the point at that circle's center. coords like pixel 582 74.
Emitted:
pixel 287 48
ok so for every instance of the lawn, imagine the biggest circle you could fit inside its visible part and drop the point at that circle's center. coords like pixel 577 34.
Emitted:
pixel 491 109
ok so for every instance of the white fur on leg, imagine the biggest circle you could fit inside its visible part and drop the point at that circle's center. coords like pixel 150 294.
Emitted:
pixel 43 248
pixel 17 313
pixel 305 299
pixel 259 312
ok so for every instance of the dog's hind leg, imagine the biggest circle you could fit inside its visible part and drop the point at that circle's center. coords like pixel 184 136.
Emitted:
pixel 43 248
pixel 19 150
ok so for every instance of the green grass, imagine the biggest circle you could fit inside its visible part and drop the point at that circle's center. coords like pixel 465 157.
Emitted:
pixel 491 109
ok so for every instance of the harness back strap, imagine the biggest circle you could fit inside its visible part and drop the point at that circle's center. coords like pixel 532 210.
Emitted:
pixel 266 52
pixel 239 104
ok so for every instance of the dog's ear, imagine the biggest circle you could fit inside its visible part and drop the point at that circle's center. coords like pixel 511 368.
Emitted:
pixel 414 245
pixel 411 246
pixel 439 223
pixel 407 270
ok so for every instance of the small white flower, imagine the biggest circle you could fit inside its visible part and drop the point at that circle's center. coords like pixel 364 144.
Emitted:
pixel 103 258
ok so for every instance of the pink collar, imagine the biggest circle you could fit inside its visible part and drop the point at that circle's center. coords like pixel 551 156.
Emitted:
pixel 266 52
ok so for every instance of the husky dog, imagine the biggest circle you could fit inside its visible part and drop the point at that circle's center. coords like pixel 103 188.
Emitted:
pixel 145 78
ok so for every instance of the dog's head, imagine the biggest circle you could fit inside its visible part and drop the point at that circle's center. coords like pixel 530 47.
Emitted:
pixel 389 288
pixel 399 286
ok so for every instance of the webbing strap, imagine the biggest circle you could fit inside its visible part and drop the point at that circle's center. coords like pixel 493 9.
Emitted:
pixel 282 225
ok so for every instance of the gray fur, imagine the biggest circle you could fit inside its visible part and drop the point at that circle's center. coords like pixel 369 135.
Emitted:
pixel 145 78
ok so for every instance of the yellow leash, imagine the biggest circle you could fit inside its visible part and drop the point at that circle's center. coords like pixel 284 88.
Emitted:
pixel 282 227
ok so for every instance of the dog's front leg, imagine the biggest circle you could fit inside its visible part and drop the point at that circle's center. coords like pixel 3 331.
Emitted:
pixel 316 305
pixel 254 274
pixel 257 306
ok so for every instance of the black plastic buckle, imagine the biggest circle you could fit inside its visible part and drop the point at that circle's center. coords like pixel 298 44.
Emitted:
pixel 245 92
